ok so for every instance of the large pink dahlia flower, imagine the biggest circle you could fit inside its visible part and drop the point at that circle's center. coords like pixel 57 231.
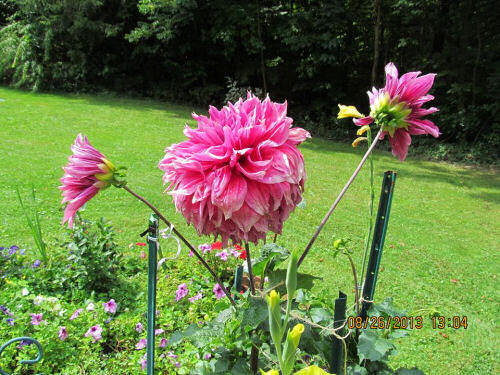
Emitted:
pixel 240 174
pixel 398 108
pixel 87 172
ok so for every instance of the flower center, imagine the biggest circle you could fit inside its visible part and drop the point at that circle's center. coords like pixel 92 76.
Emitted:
pixel 390 114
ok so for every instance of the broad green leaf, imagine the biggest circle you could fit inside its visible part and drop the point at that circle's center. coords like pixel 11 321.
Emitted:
pixel 373 347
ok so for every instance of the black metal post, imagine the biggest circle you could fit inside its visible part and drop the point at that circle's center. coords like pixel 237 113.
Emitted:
pixel 337 362
pixel 384 209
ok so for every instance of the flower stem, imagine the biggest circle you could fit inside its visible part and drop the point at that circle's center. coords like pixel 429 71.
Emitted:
pixel 370 224
pixel 249 265
pixel 188 244
pixel 353 268
pixel 340 196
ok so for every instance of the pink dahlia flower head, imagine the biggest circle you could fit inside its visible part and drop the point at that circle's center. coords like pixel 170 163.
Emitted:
pixel 398 108
pixel 240 173
pixel 87 172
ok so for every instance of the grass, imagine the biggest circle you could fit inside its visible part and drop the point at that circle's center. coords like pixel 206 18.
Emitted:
pixel 441 250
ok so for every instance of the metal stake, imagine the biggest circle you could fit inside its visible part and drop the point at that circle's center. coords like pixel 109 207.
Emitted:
pixel 384 209
pixel 152 263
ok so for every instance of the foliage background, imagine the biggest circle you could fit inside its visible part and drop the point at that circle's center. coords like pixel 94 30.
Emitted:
pixel 312 53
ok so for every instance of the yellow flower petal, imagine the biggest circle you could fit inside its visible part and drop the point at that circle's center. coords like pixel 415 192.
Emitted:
pixel 348 111
pixel 270 372
pixel 296 333
pixel 357 140
pixel 362 130
pixel 312 370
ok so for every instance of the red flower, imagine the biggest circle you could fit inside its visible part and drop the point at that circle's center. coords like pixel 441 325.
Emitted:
pixel 141 243
pixel 217 246
pixel 238 247
pixel 243 255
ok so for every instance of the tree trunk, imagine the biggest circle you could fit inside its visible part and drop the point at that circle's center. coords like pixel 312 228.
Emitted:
pixel 376 46
pixel 262 64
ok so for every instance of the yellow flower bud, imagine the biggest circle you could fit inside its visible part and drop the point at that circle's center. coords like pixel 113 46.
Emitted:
pixel 312 370
pixel 348 111
pixel 357 140
pixel 270 372
pixel 275 324
pixel 296 333
pixel 362 130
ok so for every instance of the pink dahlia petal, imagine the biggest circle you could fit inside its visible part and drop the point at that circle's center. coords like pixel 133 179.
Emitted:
pixel 400 143
pixel 417 87
pixel 233 176
pixel 298 135
pixel 391 79
pixel 80 182
pixel 425 125
pixel 363 121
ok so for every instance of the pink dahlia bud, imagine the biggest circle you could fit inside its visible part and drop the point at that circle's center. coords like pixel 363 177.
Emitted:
pixel 87 172
pixel 240 173
pixel 397 108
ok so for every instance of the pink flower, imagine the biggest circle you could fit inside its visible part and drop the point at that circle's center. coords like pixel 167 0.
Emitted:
pixel 190 253
pixel 95 332
pixel 110 306
pixel 63 334
pixel 239 174
pixel 398 108
pixel 144 361
pixel 75 314
pixel 141 344
pixel 219 293
pixel 87 172
pixel 207 356
pixel 159 331
pixel 163 343
pixel 222 255
pixel 196 297
pixel 205 248
pixel 182 291
pixel 36 319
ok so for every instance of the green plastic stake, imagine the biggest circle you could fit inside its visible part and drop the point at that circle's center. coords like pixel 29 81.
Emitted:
pixel 384 209
pixel 337 361
pixel 152 263
pixel 24 361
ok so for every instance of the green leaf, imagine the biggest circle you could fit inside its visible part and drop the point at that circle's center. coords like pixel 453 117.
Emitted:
pixel 304 281
pixel 321 315
pixel 373 347
pixel 255 314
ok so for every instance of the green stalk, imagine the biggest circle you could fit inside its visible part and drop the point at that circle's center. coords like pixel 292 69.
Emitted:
pixel 372 199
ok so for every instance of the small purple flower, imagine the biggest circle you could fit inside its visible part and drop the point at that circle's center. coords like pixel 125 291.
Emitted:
pixel 159 331
pixel 141 344
pixel 36 319
pixel 219 293
pixel 110 306
pixel 10 321
pixel 235 253
pixel 178 364
pixel 223 255
pixel 37 263
pixel 107 321
pixel 207 356
pixel 182 291
pixel 139 327
pixel 206 248
pixel 5 310
pixel 172 355
pixel 75 314
pixel 144 362
pixel 63 333
pixel 95 332
pixel 163 343
pixel 195 297
pixel 191 253
pixel 157 312
pixel 22 251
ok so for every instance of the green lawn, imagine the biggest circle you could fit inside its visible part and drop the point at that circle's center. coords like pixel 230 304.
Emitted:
pixel 442 246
